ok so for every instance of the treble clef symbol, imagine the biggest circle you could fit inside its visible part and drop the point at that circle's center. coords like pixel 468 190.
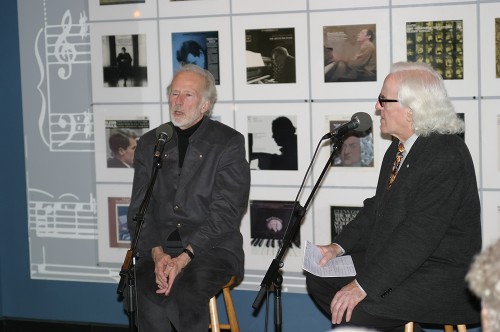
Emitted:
pixel 63 51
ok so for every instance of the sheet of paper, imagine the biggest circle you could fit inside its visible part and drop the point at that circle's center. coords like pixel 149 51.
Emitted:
pixel 338 267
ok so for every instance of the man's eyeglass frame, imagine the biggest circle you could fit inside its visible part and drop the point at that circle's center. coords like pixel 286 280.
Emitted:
pixel 382 101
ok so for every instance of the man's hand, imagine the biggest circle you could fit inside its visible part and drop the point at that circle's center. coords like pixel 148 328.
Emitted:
pixel 329 252
pixel 345 301
pixel 167 269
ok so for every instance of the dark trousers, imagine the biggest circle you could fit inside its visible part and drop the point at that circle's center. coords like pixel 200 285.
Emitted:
pixel 186 307
pixel 322 290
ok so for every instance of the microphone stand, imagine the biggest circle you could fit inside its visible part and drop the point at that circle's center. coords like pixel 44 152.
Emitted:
pixel 273 276
pixel 127 272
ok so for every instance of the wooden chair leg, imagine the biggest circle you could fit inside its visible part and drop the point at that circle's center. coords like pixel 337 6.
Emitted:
pixel 215 326
pixel 231 312
pixel 447 328
pixel 214 315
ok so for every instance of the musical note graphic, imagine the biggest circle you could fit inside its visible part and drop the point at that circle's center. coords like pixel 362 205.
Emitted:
pixel 62 47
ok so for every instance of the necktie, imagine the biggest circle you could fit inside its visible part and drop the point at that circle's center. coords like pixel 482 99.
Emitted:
pixel 399 157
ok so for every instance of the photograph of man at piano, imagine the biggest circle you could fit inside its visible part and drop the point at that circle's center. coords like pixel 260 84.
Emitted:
pixel 270 56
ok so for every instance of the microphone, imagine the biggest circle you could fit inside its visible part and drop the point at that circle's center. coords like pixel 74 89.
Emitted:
pixel 164 133
pixel 360 122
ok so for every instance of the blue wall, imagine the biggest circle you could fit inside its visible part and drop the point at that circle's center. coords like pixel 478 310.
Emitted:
pixel 22 297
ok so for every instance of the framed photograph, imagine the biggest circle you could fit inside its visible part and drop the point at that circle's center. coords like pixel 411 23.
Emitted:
pixel 119 235
pixel 178 8
pixel 270 56
pixel 348 53
pixel 438 43
pixel 200 48
pixel 206 42
pixel 491 217
pixel 356 149
pixel 265 224
pixel 335 208
pixel 490 151
pixel 113 238
pixel 106 10
pixel 263 6
pixel 447 39
pixel 117 130
pixel 266 50
pixel 490 48
pixel 342 4
pixel 370 147
pixel 277 141
pixel 124 62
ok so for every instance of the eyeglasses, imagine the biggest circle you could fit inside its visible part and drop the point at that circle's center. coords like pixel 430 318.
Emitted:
pixel 382 101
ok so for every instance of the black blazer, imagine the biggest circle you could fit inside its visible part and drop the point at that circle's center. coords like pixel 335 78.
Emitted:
pixel 421 235
pixel 205 200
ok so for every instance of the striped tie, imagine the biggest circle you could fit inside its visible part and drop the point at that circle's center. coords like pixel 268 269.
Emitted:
pixel 399 156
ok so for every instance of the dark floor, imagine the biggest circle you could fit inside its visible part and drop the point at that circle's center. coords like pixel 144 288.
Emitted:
pixel 16 325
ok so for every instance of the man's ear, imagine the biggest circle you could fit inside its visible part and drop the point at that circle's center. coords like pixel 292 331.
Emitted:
pixel 205 107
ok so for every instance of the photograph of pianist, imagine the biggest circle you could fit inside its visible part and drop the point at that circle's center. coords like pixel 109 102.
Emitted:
pixel 280 68
pixel 350 56
pixel 270 56
pixel 284 136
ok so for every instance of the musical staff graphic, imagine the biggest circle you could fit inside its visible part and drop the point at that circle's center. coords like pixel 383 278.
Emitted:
pixel 62 217
pixel 58 49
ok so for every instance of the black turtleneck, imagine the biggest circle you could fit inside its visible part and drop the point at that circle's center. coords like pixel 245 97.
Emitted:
pixel 183 139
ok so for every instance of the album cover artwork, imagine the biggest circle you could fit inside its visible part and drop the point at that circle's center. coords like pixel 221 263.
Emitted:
pixel 341 216
pixel 350 53
pixel 438 43
pixel 269 221
pixel 200 48
pixel 270 56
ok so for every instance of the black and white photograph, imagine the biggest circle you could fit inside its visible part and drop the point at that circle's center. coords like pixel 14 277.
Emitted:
pixel 263 46
pixel 270 56
pixel 272 142
pixel 280 156
pixel 125 61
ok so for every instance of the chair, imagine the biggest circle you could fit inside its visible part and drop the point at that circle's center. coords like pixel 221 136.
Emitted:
pixel 231 313
pixel 447 328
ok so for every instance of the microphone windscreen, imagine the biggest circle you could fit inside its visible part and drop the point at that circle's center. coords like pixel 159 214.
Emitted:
pixel 165 129
pixel 365 121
